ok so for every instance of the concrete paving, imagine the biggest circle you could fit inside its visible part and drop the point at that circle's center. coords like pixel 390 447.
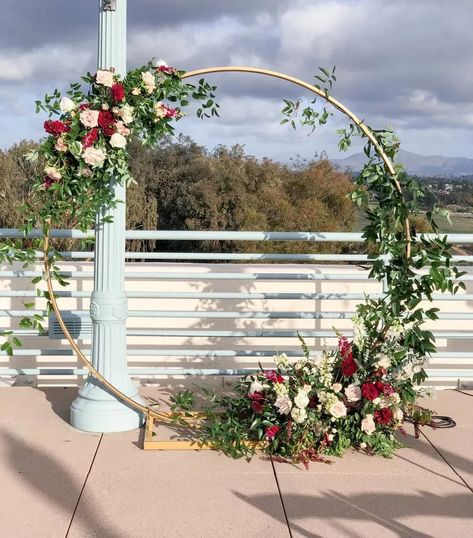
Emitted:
pixel 58 482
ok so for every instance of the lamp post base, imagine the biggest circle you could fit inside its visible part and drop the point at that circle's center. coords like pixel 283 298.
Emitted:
pixel 95 410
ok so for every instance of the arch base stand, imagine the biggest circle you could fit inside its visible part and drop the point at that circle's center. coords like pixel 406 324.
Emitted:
pixel 151 441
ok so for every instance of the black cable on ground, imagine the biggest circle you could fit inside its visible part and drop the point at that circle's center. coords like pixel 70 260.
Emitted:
pixel 438 421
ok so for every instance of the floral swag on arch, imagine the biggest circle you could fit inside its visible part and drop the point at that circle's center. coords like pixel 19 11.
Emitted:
pixel 303 409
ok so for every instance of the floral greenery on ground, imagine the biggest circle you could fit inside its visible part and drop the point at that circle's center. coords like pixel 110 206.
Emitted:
pixel 357 395
pixel 304 409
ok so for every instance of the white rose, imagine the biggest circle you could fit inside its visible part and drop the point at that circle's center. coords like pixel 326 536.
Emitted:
pixel 368 425
pixel 298 415
pixel 384 361
pixel 53 173
pixel 395 397
pixel 66 105
pixel 104 77
pixel 117 140
pixel 135 91
pixel 301 400
pixel 148 81
pixel 337 387
pixel 353 393
pixel 337 409
pixel 283 404
pixel 256 386
pixel 398 415
pixel 89 118
pixel 126 113
pixel 94 156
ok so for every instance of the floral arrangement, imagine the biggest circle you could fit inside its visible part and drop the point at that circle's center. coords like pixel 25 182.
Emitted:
pixel 85 148
pixel 355 396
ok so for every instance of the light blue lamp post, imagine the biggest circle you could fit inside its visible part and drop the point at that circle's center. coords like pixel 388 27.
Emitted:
pixel 94 409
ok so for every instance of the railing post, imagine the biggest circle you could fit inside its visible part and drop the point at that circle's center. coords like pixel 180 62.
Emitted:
pixel 95 409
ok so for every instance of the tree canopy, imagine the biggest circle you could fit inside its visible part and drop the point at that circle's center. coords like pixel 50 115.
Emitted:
pixel 183 186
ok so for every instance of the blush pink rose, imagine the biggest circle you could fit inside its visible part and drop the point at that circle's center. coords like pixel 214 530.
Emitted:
pixel 105 78
pixel 89 118
pixel 94 156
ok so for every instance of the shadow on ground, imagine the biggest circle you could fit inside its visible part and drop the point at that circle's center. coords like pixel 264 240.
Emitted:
pixel 385 509
pixel 54 482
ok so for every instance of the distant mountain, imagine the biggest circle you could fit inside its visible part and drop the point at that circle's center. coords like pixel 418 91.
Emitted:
pixel 418 165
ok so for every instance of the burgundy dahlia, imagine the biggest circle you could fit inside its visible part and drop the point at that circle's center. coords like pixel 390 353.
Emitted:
pixel 349 366
pixel 118 92
pixel 106 122
pixel 56 127
pixel 369 391
pixel 383 416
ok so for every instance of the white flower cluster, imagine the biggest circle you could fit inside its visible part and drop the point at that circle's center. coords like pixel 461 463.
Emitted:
pixel 324 365
pixel 395 331
pixel 413 364
pixel 359 331
pixel 281 360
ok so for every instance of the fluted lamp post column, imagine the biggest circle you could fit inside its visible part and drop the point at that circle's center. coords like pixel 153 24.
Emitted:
pixel 95 409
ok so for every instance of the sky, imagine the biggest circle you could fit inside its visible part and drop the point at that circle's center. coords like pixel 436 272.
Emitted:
pixel 404 63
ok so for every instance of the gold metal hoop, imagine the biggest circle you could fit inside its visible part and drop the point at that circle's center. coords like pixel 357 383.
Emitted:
pixel 150 413
pixel 336 104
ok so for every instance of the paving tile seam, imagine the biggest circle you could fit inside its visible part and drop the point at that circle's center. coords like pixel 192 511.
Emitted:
pixel 281 498
pixel 83 485
pixel 439 452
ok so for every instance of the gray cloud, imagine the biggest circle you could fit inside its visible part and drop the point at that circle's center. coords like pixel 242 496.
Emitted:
pixel 404 62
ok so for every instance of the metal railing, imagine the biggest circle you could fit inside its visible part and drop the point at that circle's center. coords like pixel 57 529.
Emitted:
pixel 237 314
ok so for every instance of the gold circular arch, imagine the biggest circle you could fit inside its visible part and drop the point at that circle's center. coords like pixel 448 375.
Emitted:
pixel 150 413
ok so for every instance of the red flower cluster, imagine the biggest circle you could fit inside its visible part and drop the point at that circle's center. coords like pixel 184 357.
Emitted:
pixel 106 122
pixel 118 92
pixel 348 366
pixel 56 127
pixel 369 391
pixel 89 139
pixel 48 181
pixel 384 388
pixel 344 346
pixel 166 69
pixel 271 431
pixel 256 401
pixel 273 376
pixel 383 416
